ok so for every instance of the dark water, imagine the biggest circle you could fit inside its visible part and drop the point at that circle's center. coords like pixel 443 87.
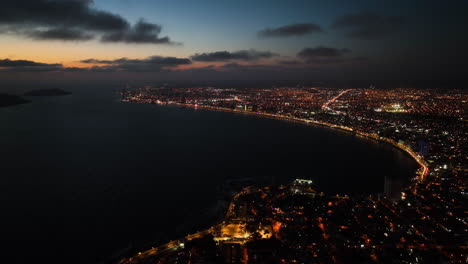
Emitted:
pixel 83 176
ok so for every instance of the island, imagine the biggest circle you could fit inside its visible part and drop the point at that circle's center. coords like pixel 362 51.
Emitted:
pixel 47 92
pixel 9 100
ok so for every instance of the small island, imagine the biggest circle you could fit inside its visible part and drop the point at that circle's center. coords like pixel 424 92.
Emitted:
pixel 10 100
pixel 47 92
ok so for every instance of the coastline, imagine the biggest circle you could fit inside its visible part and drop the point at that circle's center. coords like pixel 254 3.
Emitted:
pixel 179 243
pixel 421 175
pixel 8 100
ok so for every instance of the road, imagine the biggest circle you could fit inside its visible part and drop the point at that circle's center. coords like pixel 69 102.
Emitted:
pixel 169 247
pixel 325 105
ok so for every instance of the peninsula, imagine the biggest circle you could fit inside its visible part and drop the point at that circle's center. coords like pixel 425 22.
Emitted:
pixel 10 100
pixel 47 92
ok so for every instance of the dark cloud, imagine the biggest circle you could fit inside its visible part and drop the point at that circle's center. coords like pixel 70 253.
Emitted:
pixel 168 60
pixel 96 61
pixel 242 55
pixel 254 68
pixel 155 60
pixel 232 65
pixel 369 25
pixel 237 67
pixel 74 69
pixel 141 32
pixel 153 63
pixel 33 69
pixel 73 20
pixel 322 54
pixel 72 13
pixel 322 51
pixel 150 64
pixel 60 34
pixel 7 63
pixel 289 62
pixel 196 71
pixel 290 30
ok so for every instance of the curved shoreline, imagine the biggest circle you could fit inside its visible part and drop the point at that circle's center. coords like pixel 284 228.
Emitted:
pixel 177 243
pixel 421 175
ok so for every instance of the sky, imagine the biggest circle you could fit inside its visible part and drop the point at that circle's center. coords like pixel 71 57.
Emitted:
pixel 234 40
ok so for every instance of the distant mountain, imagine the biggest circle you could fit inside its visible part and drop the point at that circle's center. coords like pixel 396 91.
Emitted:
pixel 47 92
pixel 9 100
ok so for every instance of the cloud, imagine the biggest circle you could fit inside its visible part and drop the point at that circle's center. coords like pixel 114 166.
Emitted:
pixel 290 30
pixel 241 55
pixel 153 63
pixel 25 63
pixel 264 70
pixel 7 65
pixel 73 20
pixel 156 60
pixel 210 69
pixel 60 34
pixel 289 62
pixel 150 64
pixel 322 54
pixel 369 25
pixel 232 65
pixel 141 32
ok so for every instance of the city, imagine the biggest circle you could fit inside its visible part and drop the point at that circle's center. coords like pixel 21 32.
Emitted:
pixel 427 223
pixel 233 132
